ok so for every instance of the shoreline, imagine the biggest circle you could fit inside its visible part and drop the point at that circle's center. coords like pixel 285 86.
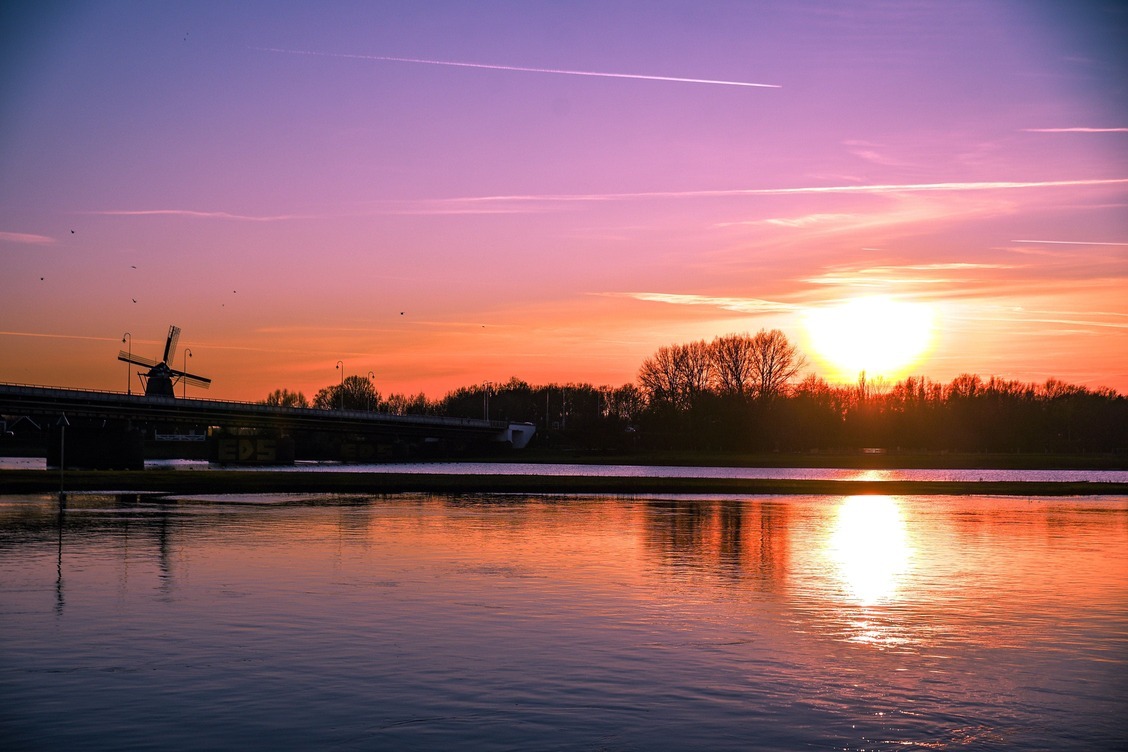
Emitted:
pixel 267 481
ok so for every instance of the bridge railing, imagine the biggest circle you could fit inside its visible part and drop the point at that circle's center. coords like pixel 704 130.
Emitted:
pixel 229 406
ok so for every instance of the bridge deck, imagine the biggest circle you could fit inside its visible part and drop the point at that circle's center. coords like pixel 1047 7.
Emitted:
pixel 51 402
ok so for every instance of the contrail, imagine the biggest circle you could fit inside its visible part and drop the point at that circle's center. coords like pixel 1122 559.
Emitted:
pixel 861 188
pixel 1076 130
pixel 486 66
pixel 1069 242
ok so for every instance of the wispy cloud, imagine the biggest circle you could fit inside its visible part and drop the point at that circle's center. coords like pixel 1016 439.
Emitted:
pixel 25 238
pixel 740 305
pixel 1071 242
pixel 808 220
pixel 202 215
pixel 883 188
pixel 44 335
pixel 1075 130
pixel 904 276
pixel 517 68
pixel 872 152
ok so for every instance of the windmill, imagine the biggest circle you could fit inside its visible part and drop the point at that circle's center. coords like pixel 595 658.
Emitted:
pixel 161 377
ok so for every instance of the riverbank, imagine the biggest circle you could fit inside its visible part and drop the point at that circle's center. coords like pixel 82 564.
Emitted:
pixel 268 481
pixel 874 459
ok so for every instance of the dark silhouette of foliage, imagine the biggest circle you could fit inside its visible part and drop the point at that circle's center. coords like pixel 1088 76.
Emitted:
pixel 738 394
pixel 286 398
pixel 353 393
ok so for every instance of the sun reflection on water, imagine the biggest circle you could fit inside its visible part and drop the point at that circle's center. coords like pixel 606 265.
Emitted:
pixel 870 548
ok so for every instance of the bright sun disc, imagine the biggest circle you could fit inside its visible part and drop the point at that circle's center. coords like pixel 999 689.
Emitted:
pixel 877 335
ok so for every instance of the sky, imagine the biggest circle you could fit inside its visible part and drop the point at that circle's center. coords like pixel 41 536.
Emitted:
pixel 442 194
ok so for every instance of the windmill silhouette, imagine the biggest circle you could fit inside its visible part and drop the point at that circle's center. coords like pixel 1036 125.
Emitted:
pixel 161 377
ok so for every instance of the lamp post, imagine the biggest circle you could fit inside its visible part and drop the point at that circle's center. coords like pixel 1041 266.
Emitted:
pixel 371 393
pixel 184 381
pixel 127 337
pixel 486 400
pixel 341 366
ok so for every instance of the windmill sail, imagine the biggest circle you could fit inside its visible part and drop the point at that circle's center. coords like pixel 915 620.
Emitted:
pixel 170 344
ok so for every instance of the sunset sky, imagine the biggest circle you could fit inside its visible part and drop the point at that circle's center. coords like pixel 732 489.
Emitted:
pixel 447 193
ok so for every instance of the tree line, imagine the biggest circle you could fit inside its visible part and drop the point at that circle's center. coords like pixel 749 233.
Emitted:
pixel 743 392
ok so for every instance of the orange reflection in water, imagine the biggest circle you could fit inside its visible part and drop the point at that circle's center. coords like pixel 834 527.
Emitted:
pixel 870 547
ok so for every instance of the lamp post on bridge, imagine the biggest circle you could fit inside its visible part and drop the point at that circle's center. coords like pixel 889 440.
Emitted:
pixel 372 393
pixel 486 400
pixel 341 366
pixel 127 337
pixel 183 380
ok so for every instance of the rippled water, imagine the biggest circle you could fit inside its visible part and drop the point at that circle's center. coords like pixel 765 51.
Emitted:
pixel 564 623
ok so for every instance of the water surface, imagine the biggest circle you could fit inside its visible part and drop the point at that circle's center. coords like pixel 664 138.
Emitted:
pixel 563 623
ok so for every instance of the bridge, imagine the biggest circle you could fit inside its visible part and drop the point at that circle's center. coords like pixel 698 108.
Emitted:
pixel 117 411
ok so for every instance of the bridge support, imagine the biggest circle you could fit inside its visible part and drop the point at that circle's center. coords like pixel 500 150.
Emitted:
pixel 96 447
pixel 251 450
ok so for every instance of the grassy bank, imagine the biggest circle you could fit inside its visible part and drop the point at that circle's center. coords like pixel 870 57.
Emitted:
pixel 266 481
pixel 885 460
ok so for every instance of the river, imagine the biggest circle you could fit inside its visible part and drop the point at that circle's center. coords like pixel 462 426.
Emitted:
pixel 483 622
pixel 964 475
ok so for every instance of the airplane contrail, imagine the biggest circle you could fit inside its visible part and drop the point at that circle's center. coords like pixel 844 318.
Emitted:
pixel 521 69
pixel 1076 130
pixel 1070 242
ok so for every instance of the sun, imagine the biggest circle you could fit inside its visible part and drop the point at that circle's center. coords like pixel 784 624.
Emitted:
pixel 875 334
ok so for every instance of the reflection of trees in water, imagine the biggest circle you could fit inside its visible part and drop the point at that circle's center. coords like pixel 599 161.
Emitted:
pixel 741 539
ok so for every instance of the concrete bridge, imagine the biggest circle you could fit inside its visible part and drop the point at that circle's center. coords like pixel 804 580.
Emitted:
pixel 116 413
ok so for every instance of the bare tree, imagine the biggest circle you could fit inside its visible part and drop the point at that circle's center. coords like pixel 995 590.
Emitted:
pixel 354 393
pixel 732 361
pixel 775 362
pixel 677 374
pixel 286 398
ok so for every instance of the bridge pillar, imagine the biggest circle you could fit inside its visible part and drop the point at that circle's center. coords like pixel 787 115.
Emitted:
pixel 251 450
pixel 97 447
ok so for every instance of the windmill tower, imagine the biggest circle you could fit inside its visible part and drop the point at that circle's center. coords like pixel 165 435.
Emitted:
pixel 161 377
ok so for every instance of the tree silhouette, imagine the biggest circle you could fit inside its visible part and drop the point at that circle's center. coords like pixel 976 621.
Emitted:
pixel 286 398
pixel 353 393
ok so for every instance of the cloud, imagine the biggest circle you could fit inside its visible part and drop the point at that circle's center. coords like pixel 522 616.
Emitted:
pixel 43 335
pixel 803 221
pixel 1071 242
pixel 1075 130
pixel 519 69
pixel 869 152
pixel 740 305
pixel 25 238
pixel 884 188
pixel 203 215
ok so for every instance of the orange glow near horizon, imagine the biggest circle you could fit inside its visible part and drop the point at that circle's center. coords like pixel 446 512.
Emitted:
pixel 874 334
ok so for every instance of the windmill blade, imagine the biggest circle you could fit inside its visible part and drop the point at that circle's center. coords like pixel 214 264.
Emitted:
pixel 137 360
pixel 197 381
pixel 191 378
pixel 170 344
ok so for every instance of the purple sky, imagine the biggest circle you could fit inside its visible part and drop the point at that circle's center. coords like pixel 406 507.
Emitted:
pixel 439 193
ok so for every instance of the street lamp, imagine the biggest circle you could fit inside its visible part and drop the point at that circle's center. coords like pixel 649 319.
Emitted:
pixel 184 381
pixel 371 392
pixel 341 366
pixel 127 337
pixel 486 400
